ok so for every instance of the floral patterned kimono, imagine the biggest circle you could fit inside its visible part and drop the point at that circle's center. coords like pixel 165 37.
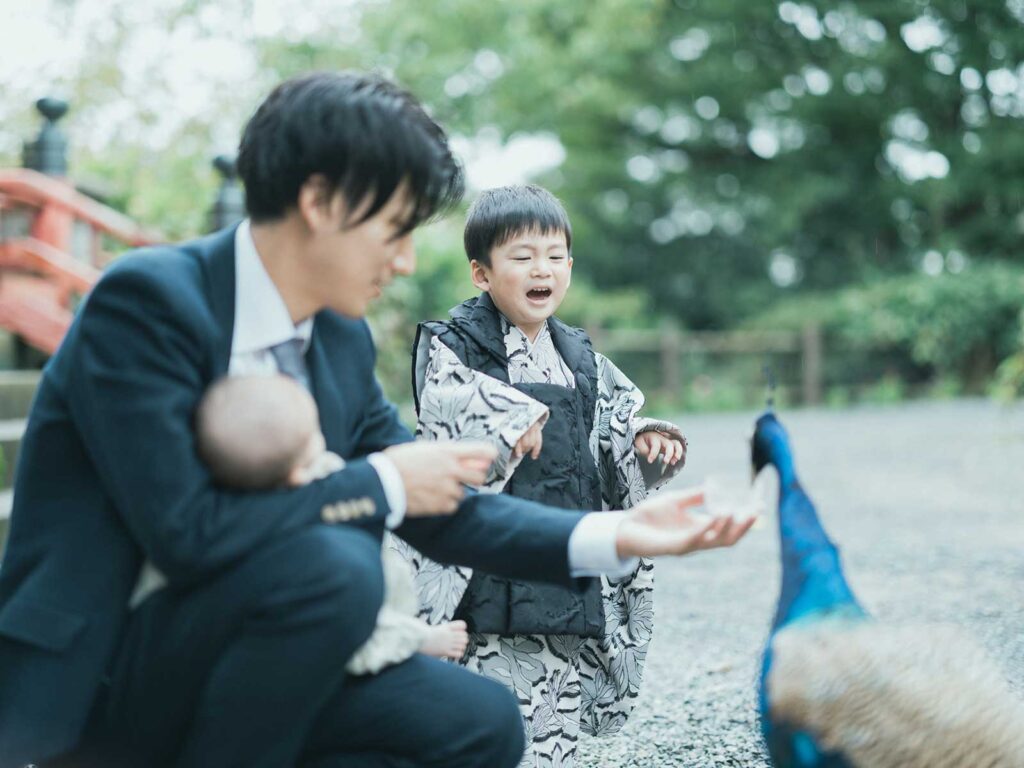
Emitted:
pixel 565 684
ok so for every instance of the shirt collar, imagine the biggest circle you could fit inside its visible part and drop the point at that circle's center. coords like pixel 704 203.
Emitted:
pixel 261 316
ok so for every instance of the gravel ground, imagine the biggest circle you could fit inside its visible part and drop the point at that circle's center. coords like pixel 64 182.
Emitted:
pixel 926 501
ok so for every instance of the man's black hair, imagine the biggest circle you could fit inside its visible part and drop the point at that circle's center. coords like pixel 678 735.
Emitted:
pixel 361 132
pixel 502 213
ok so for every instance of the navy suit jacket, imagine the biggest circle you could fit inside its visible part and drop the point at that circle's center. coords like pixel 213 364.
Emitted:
pixel 108 475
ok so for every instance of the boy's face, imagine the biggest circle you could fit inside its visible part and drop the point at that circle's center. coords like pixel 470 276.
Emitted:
pixel 527 278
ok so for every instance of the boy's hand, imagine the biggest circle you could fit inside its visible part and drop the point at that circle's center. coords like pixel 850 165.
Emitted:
pixel 530 443
pixel 652 444
pixel 665 525
pixel 434 474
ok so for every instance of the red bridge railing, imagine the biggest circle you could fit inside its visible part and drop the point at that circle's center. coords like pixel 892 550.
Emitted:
pixel 54 241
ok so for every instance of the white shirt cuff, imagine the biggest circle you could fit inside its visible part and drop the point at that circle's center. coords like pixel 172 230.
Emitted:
pixel 592 549
pixel 394 488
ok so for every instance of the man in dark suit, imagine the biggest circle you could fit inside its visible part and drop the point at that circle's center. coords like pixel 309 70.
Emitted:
pixel 235 656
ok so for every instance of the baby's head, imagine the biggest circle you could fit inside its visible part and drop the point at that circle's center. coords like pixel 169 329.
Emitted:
pixel 258 432
pixel 519 243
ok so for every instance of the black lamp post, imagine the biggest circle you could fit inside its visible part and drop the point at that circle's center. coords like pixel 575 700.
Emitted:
pixel 229 207
pixel 48 153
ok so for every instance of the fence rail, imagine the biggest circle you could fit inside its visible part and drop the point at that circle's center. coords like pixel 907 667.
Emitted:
pixel 672 345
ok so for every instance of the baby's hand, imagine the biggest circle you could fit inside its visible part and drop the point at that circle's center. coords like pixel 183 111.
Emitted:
pixel 530 443
pixel 324 464
pixel 652 444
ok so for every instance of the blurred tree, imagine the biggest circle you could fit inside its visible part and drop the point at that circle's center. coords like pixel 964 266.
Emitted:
pixel 720 155
pixel 723 154
pixel 156 90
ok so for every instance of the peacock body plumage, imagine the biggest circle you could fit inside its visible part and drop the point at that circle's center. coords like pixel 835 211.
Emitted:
pixel 840 690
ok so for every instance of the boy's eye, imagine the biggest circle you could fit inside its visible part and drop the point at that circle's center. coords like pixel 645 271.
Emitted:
pixel 556 257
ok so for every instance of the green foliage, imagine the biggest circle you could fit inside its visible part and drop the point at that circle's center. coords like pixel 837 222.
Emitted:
pixel 136 135
pixel 441 281
pixel 887 390
pixel 1009 380
pixel 587 307
pixel 707 139
pixel 945 388
pixel 959 325
pixel 1009 383
pixel 725 160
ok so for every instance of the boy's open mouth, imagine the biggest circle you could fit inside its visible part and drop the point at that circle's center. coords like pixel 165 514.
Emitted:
pixel 538 294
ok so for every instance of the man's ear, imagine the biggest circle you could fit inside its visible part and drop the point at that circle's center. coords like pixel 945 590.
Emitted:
pixel 320 205
pixel 478 273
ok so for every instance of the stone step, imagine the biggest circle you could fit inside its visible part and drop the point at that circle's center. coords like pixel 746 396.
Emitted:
pixel 17 388
pixel 11 431
pixel 6 499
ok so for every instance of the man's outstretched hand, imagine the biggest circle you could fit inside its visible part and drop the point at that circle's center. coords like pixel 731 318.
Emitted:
pixel 435 473
pixel 667 525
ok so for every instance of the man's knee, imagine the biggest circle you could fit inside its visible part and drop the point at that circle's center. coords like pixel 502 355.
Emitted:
pixel 330 574
pixel 501 724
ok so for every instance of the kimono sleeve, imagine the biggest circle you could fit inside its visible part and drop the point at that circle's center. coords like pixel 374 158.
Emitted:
pixel 625 478
pixel 458 403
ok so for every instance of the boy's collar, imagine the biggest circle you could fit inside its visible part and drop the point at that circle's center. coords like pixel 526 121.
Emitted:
pixel 479 319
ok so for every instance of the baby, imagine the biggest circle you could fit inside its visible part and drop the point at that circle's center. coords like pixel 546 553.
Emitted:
pixel 263 432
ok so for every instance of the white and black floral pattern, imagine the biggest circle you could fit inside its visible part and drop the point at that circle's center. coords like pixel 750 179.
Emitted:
pixel 458 403
pixel 565 684
pixel 536 362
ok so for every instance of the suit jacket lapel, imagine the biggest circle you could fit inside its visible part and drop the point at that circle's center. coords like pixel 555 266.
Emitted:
pixel 325 392
pixel 217 254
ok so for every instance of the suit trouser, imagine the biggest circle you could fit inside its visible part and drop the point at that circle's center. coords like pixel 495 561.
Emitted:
pixel 245 670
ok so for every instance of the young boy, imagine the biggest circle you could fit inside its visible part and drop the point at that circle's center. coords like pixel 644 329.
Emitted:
pixel 503 369
pixel 263 432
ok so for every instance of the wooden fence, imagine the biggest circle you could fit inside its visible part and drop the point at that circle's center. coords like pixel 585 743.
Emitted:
pixel 673 346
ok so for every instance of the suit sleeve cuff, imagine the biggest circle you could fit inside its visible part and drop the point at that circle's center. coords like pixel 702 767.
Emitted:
pixel 394 488
pixel 592 550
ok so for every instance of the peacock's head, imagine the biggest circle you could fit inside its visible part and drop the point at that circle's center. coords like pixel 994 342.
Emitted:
pixel 770 443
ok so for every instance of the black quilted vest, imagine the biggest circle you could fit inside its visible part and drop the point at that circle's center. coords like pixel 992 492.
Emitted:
pixel 565 475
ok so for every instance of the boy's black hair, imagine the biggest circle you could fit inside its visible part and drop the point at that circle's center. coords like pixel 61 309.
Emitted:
pixel 363 133
pixel 502 213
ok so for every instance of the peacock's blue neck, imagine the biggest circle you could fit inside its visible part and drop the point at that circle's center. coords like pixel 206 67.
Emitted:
pixel 812 575
pixel 782 459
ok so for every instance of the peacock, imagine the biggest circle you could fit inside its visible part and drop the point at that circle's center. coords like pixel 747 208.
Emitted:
pixel 839 689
